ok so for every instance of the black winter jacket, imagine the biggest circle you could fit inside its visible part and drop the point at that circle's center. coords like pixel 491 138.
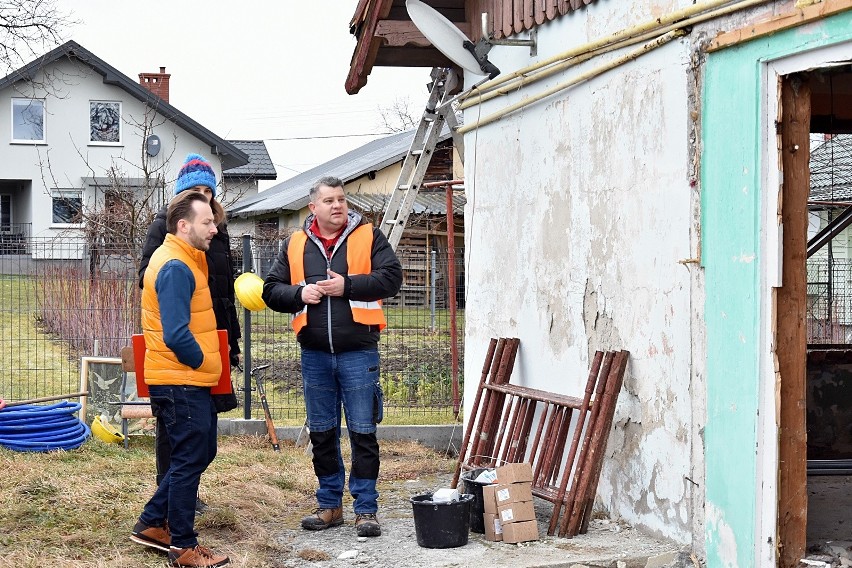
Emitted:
pixel 330 325
pixel 220 276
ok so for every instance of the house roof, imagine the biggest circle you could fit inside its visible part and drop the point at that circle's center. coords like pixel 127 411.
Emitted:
pixel 230 155
pixel 259 166
pixel 428 203
pixel 292 194
pixel 831 169
pixel 387 37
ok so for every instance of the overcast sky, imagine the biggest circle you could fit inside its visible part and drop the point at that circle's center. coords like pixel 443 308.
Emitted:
pixel 252 69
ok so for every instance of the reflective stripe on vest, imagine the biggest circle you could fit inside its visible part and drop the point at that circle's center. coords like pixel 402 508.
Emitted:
pixel 359 246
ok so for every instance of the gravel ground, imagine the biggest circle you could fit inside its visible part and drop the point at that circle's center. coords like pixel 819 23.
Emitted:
pixel 605 544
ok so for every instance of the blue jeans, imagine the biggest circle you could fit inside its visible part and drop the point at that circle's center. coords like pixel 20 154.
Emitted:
pixel 189 417
pixel 349 380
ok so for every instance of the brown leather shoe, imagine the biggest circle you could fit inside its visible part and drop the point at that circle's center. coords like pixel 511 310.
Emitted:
pixel 155 537
pixel 367 524
pixel 321 519
pixel 196 556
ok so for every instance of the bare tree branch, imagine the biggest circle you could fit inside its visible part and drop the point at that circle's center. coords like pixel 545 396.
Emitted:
pixel 29 28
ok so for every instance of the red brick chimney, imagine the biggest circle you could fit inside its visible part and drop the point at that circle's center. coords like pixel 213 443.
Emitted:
pixel 157 83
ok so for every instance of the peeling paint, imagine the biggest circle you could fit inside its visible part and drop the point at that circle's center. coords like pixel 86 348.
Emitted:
pixel 745 258
pixel 720 539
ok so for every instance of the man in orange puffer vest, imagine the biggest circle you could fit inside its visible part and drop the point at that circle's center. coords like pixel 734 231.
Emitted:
pixel 333 275
pixel 182 364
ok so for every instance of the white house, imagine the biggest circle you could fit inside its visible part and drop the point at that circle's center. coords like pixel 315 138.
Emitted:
pixel 77 134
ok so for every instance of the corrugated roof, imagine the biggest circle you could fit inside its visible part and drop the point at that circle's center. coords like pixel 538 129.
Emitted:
pixel 259 166
pixel 429 203
pixel 292 194
pixel 231 157
pixel 831 169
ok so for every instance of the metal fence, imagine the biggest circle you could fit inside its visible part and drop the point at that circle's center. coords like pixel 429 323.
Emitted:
pixel 829 317
pixel 61 302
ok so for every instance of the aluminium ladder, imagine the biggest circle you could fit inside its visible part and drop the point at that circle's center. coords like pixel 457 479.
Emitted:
pixel 438 112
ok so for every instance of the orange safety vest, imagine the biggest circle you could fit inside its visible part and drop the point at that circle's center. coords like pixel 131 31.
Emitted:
pixel 359 245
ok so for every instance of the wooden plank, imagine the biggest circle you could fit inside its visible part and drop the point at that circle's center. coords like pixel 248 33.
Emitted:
pixel 597 445
pixel 486 367
pixel 540 11
pixel 796 17
pixel 791 339
pixel 575 441
pixel 535 394
pixel 564 6
pixel 610 415
pixel 398 33
pixel 517 16
pixel 582 461
pixel 529 14
pixel 367 46
pixel 508 16
pixel 551 10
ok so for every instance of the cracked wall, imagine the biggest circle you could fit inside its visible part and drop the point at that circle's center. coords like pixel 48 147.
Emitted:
pixel 580 212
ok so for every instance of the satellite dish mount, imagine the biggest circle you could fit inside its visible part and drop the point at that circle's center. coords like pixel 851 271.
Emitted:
pixel 450 41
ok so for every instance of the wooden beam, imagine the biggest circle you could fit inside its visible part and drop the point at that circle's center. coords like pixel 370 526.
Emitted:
pixel 399 33
pixel 791 336
pixel 367 46
pixel 796 17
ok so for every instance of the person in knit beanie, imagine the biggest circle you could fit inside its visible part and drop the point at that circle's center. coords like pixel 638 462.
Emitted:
pixel 194 172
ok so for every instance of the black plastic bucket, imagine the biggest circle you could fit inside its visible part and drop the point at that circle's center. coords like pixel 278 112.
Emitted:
pixel 441 525
pixel 477 508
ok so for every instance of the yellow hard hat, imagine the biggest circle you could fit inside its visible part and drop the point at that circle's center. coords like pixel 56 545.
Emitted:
pixel 248 288
pixel 106 432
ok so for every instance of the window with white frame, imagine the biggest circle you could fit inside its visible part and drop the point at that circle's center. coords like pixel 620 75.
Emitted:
pixel 27 120
pixel 67 206
pixel 104 122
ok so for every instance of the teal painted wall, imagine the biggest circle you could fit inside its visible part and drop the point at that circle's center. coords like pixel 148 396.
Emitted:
pixel 731 225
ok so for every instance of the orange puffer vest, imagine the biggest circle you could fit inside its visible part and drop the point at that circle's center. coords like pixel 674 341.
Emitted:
pixel 161 364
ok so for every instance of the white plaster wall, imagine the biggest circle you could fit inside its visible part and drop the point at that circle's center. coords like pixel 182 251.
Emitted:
pixel 579 209
pixel 67 157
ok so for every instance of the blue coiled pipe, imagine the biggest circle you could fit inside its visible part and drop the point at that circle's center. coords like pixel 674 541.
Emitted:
pixel 32 428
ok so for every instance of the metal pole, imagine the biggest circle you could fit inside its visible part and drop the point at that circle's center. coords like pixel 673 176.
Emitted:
pixel 451 289
pixel 247 265
pixel 432 289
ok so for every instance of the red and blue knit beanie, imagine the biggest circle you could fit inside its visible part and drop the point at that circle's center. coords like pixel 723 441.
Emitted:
pixel 195 171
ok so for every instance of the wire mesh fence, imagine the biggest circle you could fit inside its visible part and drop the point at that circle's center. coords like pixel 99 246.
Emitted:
pixel 829 317
pixel 60 301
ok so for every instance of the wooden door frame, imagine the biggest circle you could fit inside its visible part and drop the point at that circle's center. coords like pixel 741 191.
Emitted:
pixel 791 311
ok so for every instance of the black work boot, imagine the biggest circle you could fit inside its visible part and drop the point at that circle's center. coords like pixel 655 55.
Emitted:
pixel 320 519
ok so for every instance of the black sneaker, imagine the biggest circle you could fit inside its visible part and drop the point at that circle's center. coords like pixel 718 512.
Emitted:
pixel 366 524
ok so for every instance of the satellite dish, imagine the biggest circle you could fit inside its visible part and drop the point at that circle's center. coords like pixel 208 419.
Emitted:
pixel 448 39
pixel 152 145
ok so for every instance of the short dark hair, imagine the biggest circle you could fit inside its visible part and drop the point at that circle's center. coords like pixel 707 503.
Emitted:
pixel 330 181
pixel 181 208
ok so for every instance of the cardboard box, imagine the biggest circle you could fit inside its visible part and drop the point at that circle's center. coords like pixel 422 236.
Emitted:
pixel 513 493
pixel 489 500
pixel 516 512
pixel 514 473
pixel 520 532
pixel 493 528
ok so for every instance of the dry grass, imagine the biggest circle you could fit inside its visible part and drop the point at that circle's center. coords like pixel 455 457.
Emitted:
pixel 75 509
